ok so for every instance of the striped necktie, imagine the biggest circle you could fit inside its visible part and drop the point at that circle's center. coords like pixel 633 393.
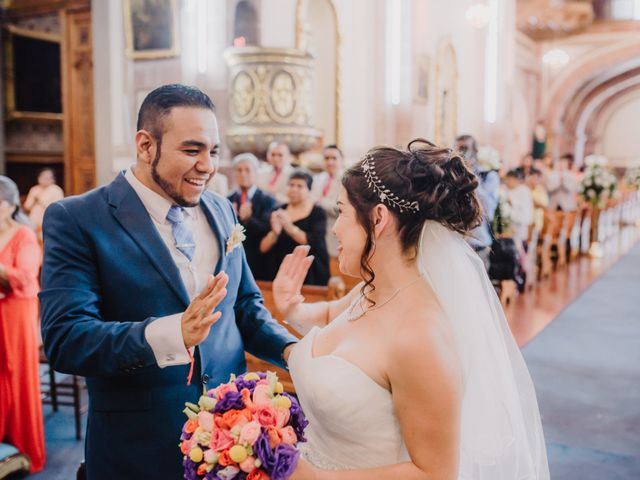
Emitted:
pixel 182 235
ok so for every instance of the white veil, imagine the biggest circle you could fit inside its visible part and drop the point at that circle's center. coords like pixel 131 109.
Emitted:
pixel 501 437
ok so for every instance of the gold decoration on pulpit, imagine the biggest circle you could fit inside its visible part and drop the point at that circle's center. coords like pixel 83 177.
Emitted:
pixel 446 94
pixel 270 93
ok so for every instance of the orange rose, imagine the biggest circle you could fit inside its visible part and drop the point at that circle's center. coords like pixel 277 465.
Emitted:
pixel 218 420
pixel 258 474
pixel 225 460
pixel 237 417
pixel 274 437
pixel 202 469
pixel 246 396
pixel 221 390
pixel 190 426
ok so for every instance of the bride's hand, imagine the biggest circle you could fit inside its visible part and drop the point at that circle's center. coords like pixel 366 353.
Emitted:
pixel 289 280
pixel 304 471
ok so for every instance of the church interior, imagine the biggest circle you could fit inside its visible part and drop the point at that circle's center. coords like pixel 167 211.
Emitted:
pixel 547 90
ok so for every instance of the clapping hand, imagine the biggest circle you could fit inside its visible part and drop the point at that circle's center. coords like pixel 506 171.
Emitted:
pixel 276 224
pixel 199 315
pixel 245 211
pixel 288 282
pixel 283 217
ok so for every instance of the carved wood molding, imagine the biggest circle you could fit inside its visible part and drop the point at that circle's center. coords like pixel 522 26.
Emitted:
pixel 24 8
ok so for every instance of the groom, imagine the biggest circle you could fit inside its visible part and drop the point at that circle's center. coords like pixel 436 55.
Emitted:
pixel 128 298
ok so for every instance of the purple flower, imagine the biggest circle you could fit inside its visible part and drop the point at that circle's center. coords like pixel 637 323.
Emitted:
pixel 248 384
pixel 190 469
pixel 230 401
pixel 298 421
pixel 263 451
pixel 286 460
pixel 185 435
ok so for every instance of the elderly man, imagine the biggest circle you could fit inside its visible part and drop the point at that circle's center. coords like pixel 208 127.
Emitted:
pixel 326 186
pixel 254 208
pixel 275 181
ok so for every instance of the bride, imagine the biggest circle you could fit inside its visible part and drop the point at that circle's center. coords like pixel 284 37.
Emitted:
pixel 414 374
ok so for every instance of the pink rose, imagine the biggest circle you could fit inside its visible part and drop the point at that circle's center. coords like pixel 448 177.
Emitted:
pixel 282 417
pixel 205 419
pixel 266 416
pixel 224 388
pixel 288 435
pixel 248 464
pixel 262 381
pixel 221 440
pixel 249 433
pixel 262 395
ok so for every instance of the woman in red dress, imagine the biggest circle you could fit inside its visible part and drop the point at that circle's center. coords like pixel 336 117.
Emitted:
pixel 21 422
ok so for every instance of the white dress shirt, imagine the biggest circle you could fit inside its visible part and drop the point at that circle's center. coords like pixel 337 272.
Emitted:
pixel 165 333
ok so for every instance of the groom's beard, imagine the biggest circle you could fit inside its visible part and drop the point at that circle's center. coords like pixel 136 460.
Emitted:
pixel 163 184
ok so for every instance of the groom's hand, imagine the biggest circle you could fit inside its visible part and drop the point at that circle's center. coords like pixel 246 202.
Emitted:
pixel 199 315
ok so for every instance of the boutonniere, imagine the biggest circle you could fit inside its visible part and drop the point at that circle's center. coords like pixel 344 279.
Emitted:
pixel 236 238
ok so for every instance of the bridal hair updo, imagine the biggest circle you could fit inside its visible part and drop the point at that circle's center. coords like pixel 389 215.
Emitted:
pixel 424 182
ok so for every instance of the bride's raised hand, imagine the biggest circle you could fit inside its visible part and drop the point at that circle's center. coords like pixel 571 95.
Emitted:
pixel 289 280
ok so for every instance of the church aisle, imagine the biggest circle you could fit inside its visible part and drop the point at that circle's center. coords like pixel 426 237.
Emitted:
pixel 586 368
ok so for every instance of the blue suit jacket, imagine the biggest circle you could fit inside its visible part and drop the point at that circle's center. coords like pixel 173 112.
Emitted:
pixel 106 275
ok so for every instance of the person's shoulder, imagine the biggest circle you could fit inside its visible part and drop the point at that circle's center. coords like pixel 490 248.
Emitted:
pixel 25 232
pixel 83 201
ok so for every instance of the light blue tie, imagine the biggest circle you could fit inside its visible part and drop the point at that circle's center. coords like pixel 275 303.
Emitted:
pixel 182 236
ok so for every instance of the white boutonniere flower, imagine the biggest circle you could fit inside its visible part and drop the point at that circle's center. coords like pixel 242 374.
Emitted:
pixel 236 238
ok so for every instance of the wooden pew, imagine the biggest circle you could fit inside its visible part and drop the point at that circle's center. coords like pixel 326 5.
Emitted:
pixel 546 239
pixel 312 293
pixel 531 258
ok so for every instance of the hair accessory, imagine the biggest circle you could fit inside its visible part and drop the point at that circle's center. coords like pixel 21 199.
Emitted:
pixel 385 195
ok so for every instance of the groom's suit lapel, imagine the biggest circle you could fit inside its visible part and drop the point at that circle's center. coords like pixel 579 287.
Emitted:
pixel 217 220
pixel 129 211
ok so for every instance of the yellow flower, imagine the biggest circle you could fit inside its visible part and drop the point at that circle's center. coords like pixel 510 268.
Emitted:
pixel 236 238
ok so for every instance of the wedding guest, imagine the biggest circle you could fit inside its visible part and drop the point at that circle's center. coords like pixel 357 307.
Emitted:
pixel 41 196
pixel 276 179
pixel 488 193
pixel 562 185
pixel 540 197
pixel 253 207
pixel 298 222
pixel 20 257
pixel 325 189
pixel 521 202
pixel 526 165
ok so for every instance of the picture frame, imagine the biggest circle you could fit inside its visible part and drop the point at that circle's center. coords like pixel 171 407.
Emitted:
pixel 422 67
pixel 151 28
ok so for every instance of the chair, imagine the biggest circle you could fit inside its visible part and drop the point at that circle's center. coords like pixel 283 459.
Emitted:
pixel 62 392
pixel 312 293
pixel 12 461
pixel 546 264
pixel 531 258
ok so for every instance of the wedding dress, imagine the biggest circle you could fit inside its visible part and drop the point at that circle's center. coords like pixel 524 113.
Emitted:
pixel 352 423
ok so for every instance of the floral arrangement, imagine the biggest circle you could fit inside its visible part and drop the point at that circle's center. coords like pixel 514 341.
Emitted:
pixel 489 158
pixel 236 238
pixel 632 177
pixel 598 183
pixel 245 429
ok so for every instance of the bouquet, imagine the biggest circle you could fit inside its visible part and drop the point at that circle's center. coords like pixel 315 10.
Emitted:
pixel 489 158
pixel 246 429
pixel 598 182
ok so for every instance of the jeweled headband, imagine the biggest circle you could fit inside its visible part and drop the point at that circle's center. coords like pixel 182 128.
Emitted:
pixel 384 194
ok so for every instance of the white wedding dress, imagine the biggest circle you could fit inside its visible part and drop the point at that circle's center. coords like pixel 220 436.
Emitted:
pixel 352 422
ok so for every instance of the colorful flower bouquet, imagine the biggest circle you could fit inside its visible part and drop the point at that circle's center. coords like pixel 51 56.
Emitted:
pixel 247 428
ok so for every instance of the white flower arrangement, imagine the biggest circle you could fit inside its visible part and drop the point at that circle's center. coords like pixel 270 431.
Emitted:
pixel 236 238
pixel 489 158
pixel 598 183
pixel 502 221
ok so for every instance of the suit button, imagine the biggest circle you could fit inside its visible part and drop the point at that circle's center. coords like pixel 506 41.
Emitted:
pixel 205 378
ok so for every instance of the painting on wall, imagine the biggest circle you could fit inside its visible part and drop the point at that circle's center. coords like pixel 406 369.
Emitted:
pixel 421 79
pixel 151 28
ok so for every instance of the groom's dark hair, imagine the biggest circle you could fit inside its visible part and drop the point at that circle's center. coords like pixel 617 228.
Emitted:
pixel 158 104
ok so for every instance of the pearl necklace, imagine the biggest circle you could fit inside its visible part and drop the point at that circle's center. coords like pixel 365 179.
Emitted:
pixel 351 317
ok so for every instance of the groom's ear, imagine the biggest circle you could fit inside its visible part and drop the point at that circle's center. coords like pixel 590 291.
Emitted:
pixel 145 146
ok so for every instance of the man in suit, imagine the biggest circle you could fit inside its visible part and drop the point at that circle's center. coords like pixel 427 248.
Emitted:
pixel 325 189
pixel 275 180
pixel 129 300
pixel 253 207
